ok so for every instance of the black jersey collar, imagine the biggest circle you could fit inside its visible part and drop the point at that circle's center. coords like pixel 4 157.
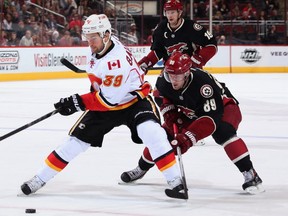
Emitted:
pixel 168 25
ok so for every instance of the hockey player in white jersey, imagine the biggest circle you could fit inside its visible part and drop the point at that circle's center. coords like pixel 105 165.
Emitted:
pixel 119 96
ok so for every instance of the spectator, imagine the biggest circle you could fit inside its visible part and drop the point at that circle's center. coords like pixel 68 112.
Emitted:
pixel 13 40
pixel 36 40
pixel 75 33
pixel 76 21
pixel 262 15
pixel 218 31
pixel 262 25
pixel 95 6
pixel 215 8
pixel 224 11
pixel 55 6
pixel 272 36
pixel 20 29
pixel 66 39
pixel 110 12
pixel 45 41
pixel 201 10
pixel 7 23
pixel 236 12
pixel 34 27
pixel 50 22
pixel 54 38
pixel 133 33
pixel 274 15
pixel 271 5
pixel 15 15
pixel 221 40
pixel 3 38
pixel 81 8
pixel 23 13
pixel 70 6
pixel 218 16
pixel 36 15
pixel 249 12
pixel 16 4
pixel 27 39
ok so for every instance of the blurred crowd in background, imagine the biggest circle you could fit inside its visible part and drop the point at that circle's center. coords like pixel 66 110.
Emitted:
pixel 59 22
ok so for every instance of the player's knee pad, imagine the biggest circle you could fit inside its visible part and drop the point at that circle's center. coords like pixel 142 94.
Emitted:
pixel 71 148
pixel 223 133
pixel 232 115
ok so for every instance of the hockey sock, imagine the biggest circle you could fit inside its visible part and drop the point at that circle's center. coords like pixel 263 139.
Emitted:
pixel 146 162
pixel 59 159
pixel 238 153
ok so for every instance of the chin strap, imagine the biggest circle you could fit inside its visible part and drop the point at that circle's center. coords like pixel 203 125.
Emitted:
pixel 105 43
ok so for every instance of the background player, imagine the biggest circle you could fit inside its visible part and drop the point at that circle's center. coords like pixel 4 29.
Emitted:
pixel 178 34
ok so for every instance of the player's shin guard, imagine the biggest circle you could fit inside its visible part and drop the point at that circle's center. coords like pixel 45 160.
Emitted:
pixel 55 163
pixel 238 153
pixel 159 148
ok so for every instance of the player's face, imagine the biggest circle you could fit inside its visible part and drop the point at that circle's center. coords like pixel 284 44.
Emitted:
pixel 95 42
pixel 173 17
pixel 177 80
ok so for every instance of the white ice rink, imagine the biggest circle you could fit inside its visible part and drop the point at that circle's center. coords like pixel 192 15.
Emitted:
pixel 89 185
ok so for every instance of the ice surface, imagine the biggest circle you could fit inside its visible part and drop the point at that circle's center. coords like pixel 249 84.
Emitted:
pixel 89 185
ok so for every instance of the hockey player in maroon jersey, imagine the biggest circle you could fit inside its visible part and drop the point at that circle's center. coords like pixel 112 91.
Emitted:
pixel 200 106
pixel 178 34
pixel 120 96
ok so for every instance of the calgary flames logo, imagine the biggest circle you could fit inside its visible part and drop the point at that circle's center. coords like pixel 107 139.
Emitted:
pixel 176 47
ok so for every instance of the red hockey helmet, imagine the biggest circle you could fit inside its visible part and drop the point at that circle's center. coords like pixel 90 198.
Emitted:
pixel 173 5
pixel 178 63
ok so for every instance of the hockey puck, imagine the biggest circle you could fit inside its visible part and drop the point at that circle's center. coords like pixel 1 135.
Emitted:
pixel 29 211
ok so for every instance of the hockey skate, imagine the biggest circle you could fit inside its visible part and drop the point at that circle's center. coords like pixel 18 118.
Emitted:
pixel 32 185
pixel 133 175
pixel 253 183
pixel 177 190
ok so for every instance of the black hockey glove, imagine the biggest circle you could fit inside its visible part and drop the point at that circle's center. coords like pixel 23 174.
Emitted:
pixel 70 105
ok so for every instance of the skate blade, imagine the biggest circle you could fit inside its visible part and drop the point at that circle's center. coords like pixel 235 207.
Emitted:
pixel 21 194
pixel 255 189
pixel 127 183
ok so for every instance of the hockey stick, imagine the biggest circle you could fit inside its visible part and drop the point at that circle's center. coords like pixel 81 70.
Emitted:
pixel 172 193
pixel 71 66
pixel 29 124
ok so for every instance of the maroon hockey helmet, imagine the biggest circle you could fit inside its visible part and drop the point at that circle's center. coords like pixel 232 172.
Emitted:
pixel 173 5
pixel 178 63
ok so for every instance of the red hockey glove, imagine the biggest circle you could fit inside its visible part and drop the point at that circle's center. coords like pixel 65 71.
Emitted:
pixel 202 55
pixel 197 61
pixel 70 105
pixel 184 140
pixel 143 64
pixel 170 114
pixel 148 61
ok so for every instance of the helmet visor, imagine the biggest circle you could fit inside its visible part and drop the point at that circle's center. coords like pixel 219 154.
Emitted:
pixel 176 77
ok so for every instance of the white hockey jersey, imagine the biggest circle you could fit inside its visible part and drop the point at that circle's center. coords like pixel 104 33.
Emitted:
pixel 116 78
